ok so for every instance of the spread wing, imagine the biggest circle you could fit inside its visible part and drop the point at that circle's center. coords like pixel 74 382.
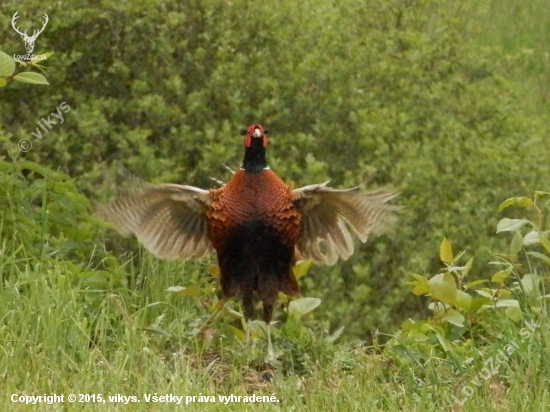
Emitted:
pixel 169 220
pixel 327 215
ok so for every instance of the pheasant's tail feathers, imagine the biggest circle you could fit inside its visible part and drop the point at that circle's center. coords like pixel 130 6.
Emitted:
pixel 169 220
pixel 328 213
pixel 228 168
pixel 218 181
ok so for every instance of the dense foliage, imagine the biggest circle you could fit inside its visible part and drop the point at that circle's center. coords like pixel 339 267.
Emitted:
pixel 390 93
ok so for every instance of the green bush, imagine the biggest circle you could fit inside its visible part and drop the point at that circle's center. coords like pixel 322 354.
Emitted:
pixel 478 327
pixel 387 92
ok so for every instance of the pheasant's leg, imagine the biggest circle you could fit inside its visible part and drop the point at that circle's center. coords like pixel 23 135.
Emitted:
pixel 247 340
pixel 268 313
pixel 270 352
pixel 248 311
pixel 217 310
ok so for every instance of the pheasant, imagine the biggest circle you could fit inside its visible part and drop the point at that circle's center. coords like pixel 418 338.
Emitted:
pixel 256 223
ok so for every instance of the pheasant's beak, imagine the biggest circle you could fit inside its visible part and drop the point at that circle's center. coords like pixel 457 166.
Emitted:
pixel 257 133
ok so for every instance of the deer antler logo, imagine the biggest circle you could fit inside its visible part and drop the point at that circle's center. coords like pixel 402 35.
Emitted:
pixel 29 40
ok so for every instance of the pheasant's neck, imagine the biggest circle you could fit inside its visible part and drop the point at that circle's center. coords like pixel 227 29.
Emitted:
pixel 254 158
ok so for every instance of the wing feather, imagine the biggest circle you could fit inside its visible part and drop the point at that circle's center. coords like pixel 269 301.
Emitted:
pixel 169 220
pixel 328 213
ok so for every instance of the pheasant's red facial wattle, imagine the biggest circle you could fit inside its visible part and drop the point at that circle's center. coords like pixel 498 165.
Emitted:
pixel 254 132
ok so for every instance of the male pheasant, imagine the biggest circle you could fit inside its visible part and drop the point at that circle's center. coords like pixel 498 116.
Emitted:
pixel 256 223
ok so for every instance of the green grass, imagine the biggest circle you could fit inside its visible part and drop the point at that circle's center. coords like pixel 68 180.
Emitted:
pixel 59 335
pixel 50 346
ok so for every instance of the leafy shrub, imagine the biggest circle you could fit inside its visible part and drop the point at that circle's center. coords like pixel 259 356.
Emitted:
pixel 385 92
pixel 473 323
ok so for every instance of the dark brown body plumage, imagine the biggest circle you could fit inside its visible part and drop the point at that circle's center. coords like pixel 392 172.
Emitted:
pixel 254 227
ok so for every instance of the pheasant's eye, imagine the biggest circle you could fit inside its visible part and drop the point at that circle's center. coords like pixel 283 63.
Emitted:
pixel 243 132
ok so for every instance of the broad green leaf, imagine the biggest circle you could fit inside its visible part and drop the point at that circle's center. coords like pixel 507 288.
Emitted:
pixel 412 326
pixel 445 343
pixel 514 313
pixel 516 201
pixel 7 65
pixel 501 276
pixel 540 256
pixel 420 337
pixel 478 302
pixel 445 251
pixel 300 307
pixel 508 225
pixel 301 268
pixel 503 293
pixel 420 289
pixel 3 82
pixel 463 300
pixel 236 332
pixel 454 317
pixel 545 243
pixel 30 77
pixel 486 292
pixel 531 238
pixel 506 303
pixel 516 244
pixel 475 283
pixel 531 281
pixel 443 287
pixel 421 285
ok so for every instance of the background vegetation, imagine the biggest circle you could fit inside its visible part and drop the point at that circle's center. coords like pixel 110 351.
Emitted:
pixel 447 101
